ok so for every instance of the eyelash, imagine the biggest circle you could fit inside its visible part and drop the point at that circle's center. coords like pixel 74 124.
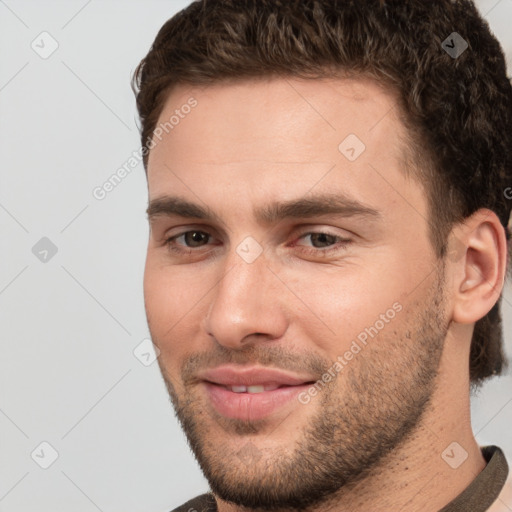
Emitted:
pixel 341 243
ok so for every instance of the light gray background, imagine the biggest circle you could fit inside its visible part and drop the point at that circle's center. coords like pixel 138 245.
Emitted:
pixel 70 325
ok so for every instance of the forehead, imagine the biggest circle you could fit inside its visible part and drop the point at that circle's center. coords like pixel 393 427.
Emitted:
pixel 281 137
pixel 267 109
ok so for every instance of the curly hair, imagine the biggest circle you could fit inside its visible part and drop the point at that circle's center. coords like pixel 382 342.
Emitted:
pixel 457 108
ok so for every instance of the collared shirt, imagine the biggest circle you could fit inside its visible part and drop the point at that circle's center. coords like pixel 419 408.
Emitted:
pixel 490 491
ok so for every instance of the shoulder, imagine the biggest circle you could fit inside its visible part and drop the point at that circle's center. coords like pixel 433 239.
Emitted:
pixel 503 502
pixel 203 503
pixel 499 476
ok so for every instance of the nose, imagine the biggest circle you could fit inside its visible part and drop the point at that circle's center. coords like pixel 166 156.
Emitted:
pixel 246 304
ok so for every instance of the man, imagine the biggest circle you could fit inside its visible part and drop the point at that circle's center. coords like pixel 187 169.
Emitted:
pixel 328 248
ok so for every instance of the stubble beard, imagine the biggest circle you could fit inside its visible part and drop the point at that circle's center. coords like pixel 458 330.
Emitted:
pixel 368 411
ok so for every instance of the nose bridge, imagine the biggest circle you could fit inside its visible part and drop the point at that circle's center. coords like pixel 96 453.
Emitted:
pixel 243 302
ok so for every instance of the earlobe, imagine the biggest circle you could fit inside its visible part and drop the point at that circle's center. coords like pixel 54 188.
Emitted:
pixel 479 272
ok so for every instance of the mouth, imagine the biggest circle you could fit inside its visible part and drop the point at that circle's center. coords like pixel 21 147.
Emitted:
pixel 253 393
pixel 256 388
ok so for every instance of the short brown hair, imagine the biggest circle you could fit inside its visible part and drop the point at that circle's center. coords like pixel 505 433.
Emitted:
pixel 457 108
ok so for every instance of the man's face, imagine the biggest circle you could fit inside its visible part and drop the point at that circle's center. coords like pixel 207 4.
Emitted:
pixel 284 286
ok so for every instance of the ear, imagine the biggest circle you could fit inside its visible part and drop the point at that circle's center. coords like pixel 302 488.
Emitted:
pixel 478 250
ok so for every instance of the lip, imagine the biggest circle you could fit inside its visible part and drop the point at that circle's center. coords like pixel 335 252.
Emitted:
pixel 230 375
pixel 252 406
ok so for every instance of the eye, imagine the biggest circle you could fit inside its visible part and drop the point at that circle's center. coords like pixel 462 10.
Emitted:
pixel 195 238
pixel 189 240
pixel 322 243
pixel 322 239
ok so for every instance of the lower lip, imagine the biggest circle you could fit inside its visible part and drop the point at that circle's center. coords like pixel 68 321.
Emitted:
pixel 251 406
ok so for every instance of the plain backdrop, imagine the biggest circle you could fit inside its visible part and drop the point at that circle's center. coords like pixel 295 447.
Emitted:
pixel 71 304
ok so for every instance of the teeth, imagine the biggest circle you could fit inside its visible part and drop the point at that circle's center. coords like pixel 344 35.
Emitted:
pixel 251 389
pixel 255 389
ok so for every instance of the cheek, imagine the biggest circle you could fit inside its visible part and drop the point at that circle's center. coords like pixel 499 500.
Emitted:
pixel 175 300
pixel 170 292
pixel 344 302
pixel 160 301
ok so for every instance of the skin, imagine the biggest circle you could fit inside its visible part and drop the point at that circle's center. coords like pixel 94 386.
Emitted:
pixel 385 420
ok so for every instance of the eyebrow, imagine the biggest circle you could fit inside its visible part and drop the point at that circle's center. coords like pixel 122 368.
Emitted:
pixel 312 206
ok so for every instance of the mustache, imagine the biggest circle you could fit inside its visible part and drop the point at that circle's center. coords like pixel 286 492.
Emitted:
pixel 261 354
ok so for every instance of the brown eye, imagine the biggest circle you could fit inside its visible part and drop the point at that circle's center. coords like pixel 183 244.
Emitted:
pixel 322 239
pixel 195 238
pixel 321 244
